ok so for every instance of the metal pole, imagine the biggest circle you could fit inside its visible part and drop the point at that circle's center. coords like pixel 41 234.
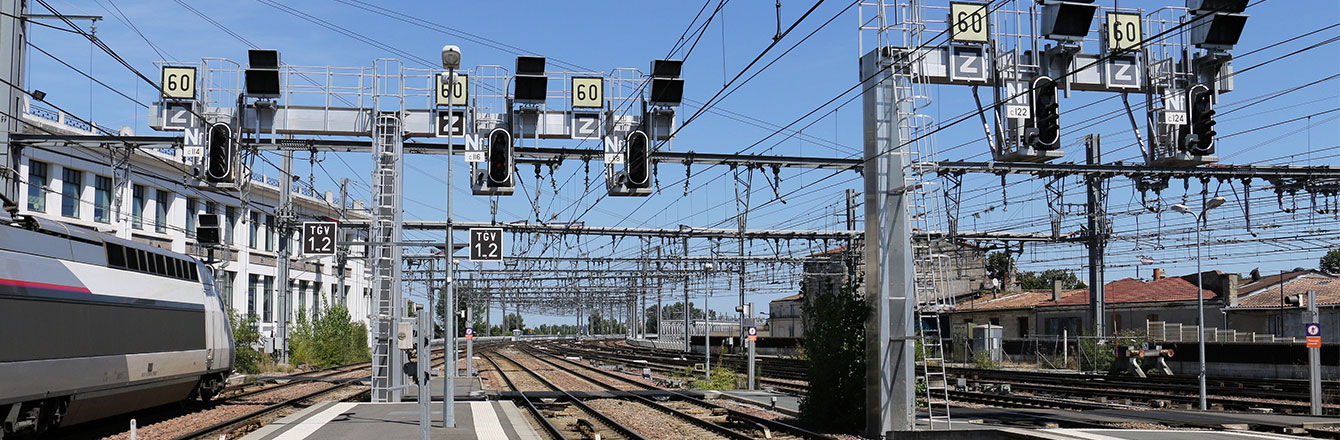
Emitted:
pixel 707 329
pixel 423 322
pixel 750 311
pixel 470 342
pixel 13 26
pixel 1200 312
pixel 687 306
pixel 890 358
pixel 449 344
pixel 285 239
pixel 1313 356
pixel 1097 240
pixel 340 253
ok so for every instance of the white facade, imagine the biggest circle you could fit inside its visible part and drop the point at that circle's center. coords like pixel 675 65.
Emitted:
pixel 247 271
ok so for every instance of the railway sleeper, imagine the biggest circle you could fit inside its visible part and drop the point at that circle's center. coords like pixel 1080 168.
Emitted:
pixel 760 430
pixel 587 428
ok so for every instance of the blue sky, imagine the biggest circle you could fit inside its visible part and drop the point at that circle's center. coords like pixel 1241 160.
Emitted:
pixel 603 35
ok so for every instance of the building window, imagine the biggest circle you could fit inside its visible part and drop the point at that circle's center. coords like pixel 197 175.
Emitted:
pixel 161 210
pixel 224 285
pixel 137 211
pixel 255 225
pixel 191 206
pixel 253 283
pixel 72 188
pixel 102 199
pixel 302 297
pixel 1023 327
pixel 229 221
pixel 269 299
pixel 269 232
pixel 37 186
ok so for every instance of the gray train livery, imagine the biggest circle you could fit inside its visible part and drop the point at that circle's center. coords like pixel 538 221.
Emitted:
pixel 93 326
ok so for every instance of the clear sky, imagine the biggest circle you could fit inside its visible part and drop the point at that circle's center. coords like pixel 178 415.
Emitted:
pixel 604 35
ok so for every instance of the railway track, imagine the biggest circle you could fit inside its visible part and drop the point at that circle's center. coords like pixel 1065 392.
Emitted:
pixel 569 419
pixel 720 420
pixel 1287 396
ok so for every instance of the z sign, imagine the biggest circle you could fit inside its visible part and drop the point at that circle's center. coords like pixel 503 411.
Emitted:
pixel 486 244
pixel 318 238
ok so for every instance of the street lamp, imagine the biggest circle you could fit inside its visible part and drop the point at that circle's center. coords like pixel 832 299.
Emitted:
pixel 1200 284
pixel 451 60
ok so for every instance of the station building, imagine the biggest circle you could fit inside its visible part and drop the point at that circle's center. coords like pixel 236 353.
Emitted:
pixel 155 205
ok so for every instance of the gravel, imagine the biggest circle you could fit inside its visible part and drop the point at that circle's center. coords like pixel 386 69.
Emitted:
pixel 648 421
pixel 563 379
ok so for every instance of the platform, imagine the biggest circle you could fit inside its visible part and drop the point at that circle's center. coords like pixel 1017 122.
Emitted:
pixel 484 420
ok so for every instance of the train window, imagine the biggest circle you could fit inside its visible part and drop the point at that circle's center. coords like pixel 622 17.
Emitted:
pixel 150 264
pixel 172 267
pixel 116 255
pixel 144 259
pixel 162 264
pixel 191 271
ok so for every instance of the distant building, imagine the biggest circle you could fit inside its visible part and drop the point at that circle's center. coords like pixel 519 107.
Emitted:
pixel 1276 304
pixel 785 317
pixel 1129 303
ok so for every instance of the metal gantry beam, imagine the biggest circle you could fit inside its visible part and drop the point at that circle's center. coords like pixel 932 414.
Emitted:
pixel 1215 171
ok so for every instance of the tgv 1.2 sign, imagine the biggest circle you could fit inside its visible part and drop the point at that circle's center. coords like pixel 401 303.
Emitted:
pixel 486 244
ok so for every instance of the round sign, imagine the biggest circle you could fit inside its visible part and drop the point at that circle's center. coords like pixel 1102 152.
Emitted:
pixel 1314 329
pixel 469 331
pixel 753 331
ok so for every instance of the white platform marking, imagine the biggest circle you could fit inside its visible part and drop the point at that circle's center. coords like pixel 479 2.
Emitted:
pixel 486 420
pixel 311 424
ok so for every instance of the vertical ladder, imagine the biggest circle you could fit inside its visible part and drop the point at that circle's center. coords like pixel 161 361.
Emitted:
pixel 924 209
pixel 387 151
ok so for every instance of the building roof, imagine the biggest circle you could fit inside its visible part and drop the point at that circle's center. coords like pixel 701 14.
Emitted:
pixel 1130 290
pixel 1124 291
pixel 1270 295
pixel 1248 285
pixel 1010 300
pixel 829 253
pixel 795 297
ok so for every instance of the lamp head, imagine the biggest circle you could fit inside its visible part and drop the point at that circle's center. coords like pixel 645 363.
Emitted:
pixel 451 57
pixel 1180 208
pixel 1215 202
pixel 708 266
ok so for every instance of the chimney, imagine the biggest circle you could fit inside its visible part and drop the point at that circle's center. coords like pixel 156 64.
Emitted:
pixel 1231 288
pixel 1158 274
pixel 1056 290
pixel 1256 275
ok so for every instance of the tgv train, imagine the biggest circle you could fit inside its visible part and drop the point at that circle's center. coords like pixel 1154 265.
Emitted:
pixel 93 326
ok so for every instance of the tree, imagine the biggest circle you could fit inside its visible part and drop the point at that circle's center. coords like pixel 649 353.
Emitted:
pixel 513 321
pixel 1330 263
pixel 1042 281
pixel 835 344
pixel 329 340
pixel 1000 266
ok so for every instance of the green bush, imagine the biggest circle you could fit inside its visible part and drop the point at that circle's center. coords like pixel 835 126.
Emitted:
pixel 722 379
pixel 332 339
pixel 246 358
pixel 982 360
pixel 835 344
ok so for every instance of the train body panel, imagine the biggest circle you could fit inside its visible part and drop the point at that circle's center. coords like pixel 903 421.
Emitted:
pixel 92 326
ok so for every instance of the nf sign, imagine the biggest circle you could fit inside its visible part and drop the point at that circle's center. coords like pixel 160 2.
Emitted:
pixel 469 333
pixel 486 244
pixel 318 238
pixel 753 333
pixel 1313 331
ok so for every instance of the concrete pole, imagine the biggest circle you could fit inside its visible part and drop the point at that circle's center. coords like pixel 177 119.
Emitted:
pixel 341 253
pixel 750 320
pixel 423 321
pixel 470 343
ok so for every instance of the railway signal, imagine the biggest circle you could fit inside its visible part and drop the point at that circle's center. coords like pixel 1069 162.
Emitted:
pixel 637 160
pixel 499 173
pixel 1045 134
pixel 219 168
pixel 1199 139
